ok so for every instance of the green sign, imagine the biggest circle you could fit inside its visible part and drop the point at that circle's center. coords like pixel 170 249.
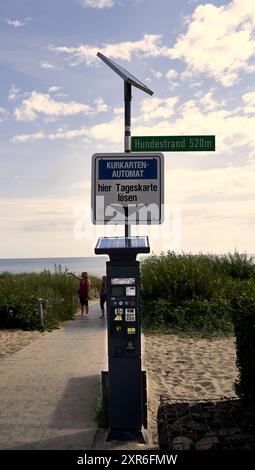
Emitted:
pixel 177 143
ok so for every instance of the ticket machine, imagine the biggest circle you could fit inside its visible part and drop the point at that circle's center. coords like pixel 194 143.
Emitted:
pixel 126 380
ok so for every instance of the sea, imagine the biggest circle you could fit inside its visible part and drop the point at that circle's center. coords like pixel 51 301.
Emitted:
pixel 94 265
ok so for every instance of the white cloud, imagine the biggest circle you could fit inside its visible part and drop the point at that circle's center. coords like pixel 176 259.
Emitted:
pixel 2 113
pixel 44 209
pixel 154 108
pixel 209 103
pixel 157 74
pixel 43 104
pixel 218 227
pixel 249 102
pixel 111 131
pixel 186 74
pixel 171 74
pixel 60 134
pixel 233 130
pixel 119 110
pixel 14 23
pixel 219 41
pixel 201 116
pixel 23 138
pixel 217 205
pixel 148 46
pixel 195 85
pixel 98 3
pixel 47 66
pixel 218 211
pixel 17 23
pixel 101 106
pixel 13 93
pixel 54 89
pixel 25 219
pixel 229 183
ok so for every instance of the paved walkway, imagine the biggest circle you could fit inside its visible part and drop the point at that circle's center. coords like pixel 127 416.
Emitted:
pixel 49 389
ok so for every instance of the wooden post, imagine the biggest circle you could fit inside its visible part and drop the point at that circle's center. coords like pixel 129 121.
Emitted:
pixel 41 313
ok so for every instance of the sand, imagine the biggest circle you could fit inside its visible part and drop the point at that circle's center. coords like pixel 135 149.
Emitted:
pixel 13 340
pixel 188 368
pixel 181 368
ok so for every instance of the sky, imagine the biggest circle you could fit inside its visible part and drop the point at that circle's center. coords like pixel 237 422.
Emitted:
pixel 59 104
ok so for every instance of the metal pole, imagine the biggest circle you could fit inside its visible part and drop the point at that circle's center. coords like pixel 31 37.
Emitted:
pixel 127 140
pixel 128 98
pixel 41 313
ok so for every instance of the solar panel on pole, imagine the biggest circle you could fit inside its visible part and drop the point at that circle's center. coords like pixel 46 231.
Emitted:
pixel 129 81
pixel 123 73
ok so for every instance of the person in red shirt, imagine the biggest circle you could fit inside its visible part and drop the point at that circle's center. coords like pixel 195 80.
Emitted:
pixel 83 291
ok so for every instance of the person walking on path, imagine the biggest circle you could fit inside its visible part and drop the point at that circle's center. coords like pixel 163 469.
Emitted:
pixel 83 291
pixel 103 295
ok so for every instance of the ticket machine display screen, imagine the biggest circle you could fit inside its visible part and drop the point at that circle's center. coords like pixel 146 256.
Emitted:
pixel 118 291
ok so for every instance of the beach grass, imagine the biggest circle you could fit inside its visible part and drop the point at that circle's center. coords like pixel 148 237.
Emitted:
pixel 186 293
pixel 20 294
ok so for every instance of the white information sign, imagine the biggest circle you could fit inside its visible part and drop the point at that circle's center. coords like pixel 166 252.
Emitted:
pixel 127 184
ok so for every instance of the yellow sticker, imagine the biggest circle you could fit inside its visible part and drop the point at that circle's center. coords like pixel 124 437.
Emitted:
pixel 118 318
pixel 131 331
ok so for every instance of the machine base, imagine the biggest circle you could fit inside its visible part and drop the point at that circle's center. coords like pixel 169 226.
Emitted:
pixel 138 435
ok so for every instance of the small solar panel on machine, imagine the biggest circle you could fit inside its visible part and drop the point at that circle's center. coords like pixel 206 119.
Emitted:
pixel 122 242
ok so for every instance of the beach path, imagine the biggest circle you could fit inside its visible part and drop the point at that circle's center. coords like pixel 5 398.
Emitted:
pixel 49 389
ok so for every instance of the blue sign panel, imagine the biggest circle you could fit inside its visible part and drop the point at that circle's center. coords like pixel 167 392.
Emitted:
pixel 128 169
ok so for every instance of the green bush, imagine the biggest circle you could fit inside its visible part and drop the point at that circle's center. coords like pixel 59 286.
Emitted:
pixel 192 316
pixel 20 294
pixel 191 292
pixel 243 312
pixel 180 277
pixel 236 265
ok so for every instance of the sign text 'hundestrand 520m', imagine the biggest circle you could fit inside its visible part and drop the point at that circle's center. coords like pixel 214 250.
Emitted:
pixel 174 143
pixel 127 186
